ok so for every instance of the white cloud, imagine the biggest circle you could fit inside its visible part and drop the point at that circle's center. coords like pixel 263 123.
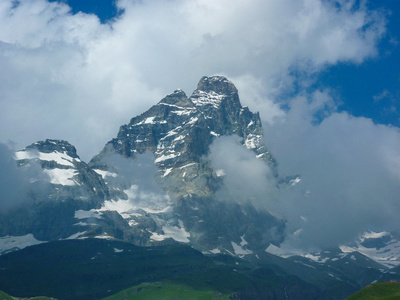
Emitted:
pixel 71 77
pixel 349 168
pixel 245 178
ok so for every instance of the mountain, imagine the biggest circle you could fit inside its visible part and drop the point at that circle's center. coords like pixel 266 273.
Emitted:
pixel 177 134
pixel 96 268
pixel 59 185
pixel 158 184
pixel 70 177
pixel 153 183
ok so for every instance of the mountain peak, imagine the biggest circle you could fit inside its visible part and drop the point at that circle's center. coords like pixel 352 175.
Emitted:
pixel 217 84
pixel 49 146
pixel 178 98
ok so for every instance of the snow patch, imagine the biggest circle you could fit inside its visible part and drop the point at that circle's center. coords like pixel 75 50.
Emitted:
pixel 316 258
pixel 253 141
pixel 104 236
pixel 220 172
pixel 137 200
pixel 179 234
pixel 165 157
pixel 388 255
pixel 183 112
pixel 215 251
pixel 282 251
pixel 374 235
pixel 105 174
pixel 9 243
pixel 149 120
pixel 243 242
pixel 120 206
pixel 210 98
pixel 188 165
pixel 192 120
pixel 61 158
pixel 75 236
pixel 239 251
pixel 167 171
pixel 62 176
pixel 295 181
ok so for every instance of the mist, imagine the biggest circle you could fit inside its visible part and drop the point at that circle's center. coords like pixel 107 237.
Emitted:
pixel 137 178
pixel 245 178
pixel 349 170
pixel 14 184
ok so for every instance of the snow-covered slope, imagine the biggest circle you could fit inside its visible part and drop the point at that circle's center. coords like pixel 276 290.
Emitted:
pixel 382 247
pixel 63 169
pixel 13 243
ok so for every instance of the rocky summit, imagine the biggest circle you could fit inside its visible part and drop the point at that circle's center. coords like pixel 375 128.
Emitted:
pixel 178 132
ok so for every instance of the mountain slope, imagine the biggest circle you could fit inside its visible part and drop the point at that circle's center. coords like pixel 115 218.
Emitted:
pixel 96 268
pixel 58 184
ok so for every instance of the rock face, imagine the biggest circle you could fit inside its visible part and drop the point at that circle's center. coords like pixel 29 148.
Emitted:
pixel 178 132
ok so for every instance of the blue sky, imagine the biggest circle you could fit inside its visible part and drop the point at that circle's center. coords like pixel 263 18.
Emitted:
pixel 323 74
pixel 363 86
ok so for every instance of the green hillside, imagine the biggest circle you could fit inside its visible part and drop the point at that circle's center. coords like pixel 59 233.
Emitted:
pixel 4 296
pixel 378 291
pixel 166 291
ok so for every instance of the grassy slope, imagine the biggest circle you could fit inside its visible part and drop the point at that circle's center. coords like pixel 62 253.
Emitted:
pixel 378 291
pixel 4 296
pixel 165 291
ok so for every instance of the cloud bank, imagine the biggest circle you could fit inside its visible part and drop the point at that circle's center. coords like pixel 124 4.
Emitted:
pixel 349 168
pixel 350 173
pixel 70 77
